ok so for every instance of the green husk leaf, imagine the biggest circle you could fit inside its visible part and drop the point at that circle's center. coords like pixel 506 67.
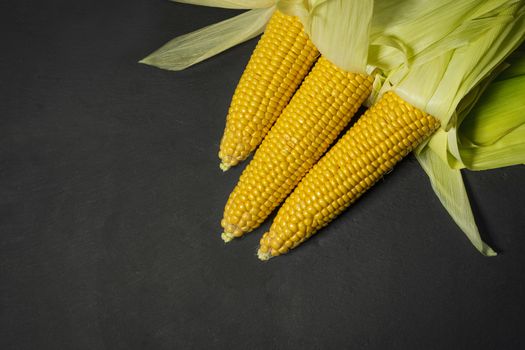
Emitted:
pixel 448 186
pixel 231 4
pixel 510 150
pixel 186 50
pixel 501 112
pixel 492 135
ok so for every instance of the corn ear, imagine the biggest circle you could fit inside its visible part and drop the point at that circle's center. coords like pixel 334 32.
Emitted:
pixel 385 134
pixel 278 65
pixel 318 112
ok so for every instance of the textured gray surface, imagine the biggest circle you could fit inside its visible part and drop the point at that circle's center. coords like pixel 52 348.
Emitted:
pixel 111 197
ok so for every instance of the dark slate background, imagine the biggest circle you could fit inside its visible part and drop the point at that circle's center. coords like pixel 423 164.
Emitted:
pixel 111 197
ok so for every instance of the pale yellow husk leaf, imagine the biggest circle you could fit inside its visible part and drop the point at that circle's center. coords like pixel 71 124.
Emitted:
pixel 448 186
pixel 231 4
pixel 186 50
pixel 451 71
pixel 404 29
pixel 340 29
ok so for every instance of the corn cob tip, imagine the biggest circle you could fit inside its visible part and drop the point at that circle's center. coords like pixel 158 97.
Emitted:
pixel 264 256
pixel 224 166
pixel 227 237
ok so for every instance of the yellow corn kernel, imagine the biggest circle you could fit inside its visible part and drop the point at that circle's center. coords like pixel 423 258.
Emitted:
pixel 352 166
pixel 278 65
pixel 298 139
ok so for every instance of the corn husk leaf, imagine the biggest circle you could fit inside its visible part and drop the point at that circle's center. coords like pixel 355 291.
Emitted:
pixel 510 150
pixel 403 29
pixel 339 29
pixel 408 19
pixel 231 4
pixel 189 49
pixel 492 133
pixel 490 121
pixel 450 189
pixel 450 72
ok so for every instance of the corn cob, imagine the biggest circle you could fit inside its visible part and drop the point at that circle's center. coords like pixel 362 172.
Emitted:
pixel 382 136
pixel 318 112
pixel 279 63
